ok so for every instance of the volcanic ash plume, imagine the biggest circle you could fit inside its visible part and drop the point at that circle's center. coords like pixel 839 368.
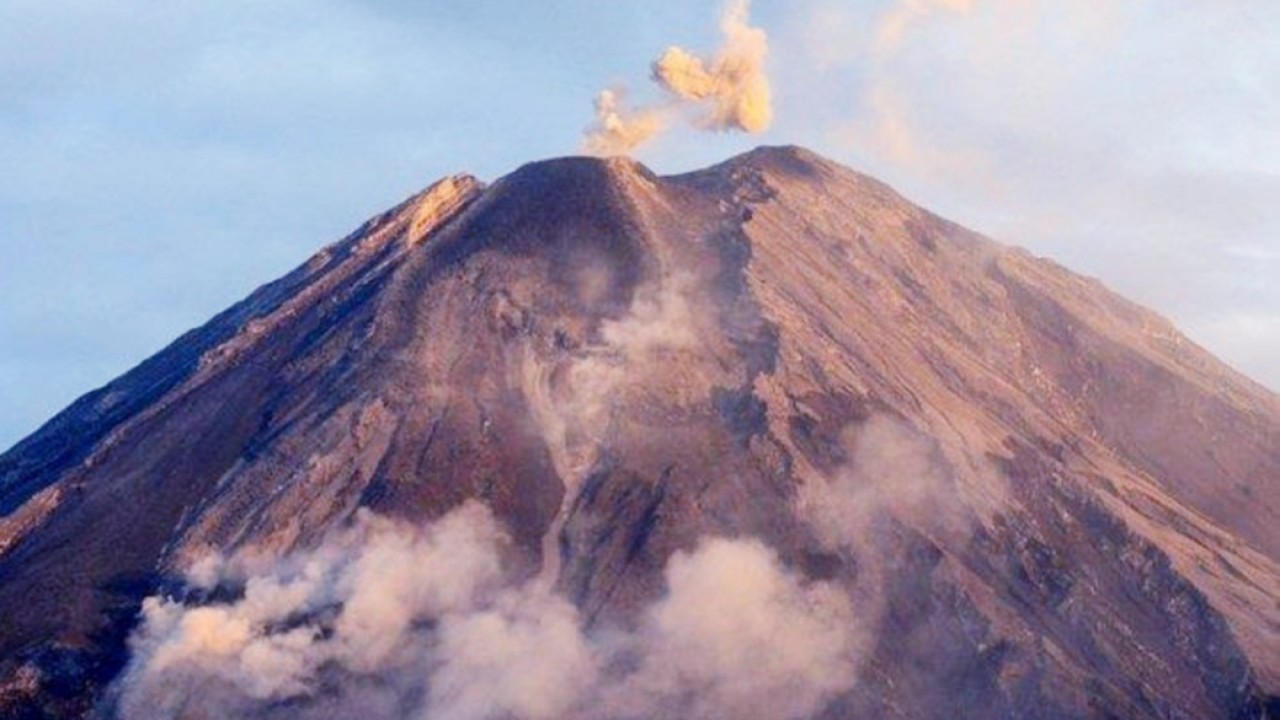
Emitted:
pixel 733 81
pixel 619 128
pixel 388 621
pixel 726 91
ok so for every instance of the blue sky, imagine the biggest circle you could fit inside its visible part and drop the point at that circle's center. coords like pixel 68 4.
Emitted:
pixel 160 160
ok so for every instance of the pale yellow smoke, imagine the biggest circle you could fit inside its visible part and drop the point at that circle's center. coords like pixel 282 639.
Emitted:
pixel 727 90
pixel 733 81
pixel 619 128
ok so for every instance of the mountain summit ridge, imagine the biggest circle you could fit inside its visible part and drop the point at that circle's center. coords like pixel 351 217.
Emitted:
pixel 1045 500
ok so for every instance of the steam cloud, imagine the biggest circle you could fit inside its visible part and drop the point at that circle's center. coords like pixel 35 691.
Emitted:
pixel 385 620
pixel 892 472
pixel 726 91
pixel 575 414
pixel 618 128
pixel 739 637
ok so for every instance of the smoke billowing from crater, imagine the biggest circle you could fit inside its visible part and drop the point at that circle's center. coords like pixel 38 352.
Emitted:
pixel 385 620
pixel 727 90
pixel 619 127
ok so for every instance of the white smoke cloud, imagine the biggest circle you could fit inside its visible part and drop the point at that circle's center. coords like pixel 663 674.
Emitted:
pixel 728 90
pixel 894 477
pixel 572 398
pixel 385 620
pixel 526 657
pixel 732 81
pixel 660 320
pixel 619 127
pixel 894 472
pixel 738 636
pixel 352 603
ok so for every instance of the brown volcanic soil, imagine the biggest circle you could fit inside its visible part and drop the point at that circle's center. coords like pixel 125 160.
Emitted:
pixel 619 364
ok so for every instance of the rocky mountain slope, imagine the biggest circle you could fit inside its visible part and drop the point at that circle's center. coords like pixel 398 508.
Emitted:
pixel 1039 499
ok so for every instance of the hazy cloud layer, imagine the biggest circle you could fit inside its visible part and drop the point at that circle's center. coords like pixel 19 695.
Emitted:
pixel 386 621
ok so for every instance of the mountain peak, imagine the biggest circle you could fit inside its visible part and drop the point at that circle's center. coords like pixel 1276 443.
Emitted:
pixel 439 201
pixel 579 171
pixel 794 156
pixel 790 161
pixel 1034 508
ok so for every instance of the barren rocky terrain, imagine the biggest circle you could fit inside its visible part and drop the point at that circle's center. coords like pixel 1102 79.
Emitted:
pixel 1041 500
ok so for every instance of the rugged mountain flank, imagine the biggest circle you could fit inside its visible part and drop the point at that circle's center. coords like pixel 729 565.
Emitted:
pixel 1042 500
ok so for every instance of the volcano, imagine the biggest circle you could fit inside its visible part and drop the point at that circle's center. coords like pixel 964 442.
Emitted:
pixel 1036 499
